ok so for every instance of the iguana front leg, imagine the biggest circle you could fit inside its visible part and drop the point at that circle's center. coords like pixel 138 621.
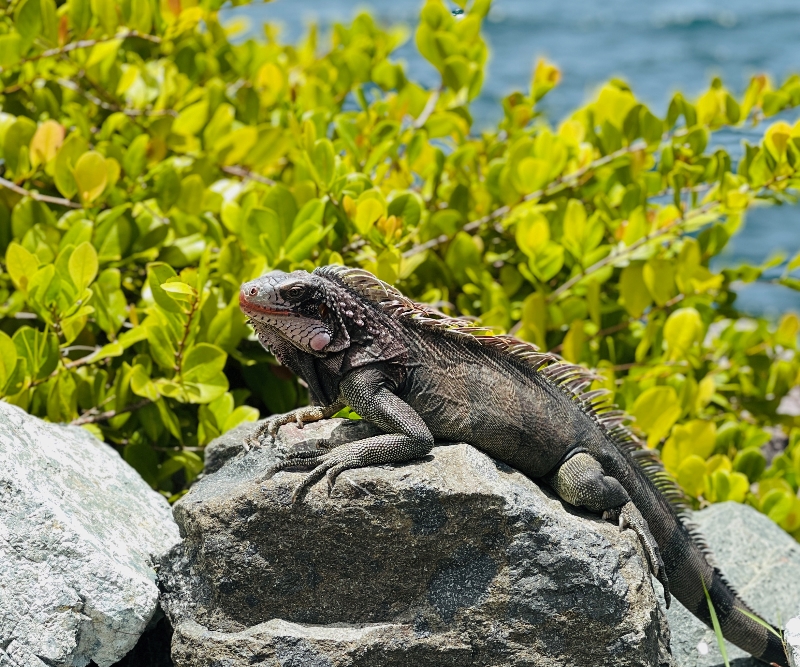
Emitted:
pixel 581 481
pixel 407 436
pixel 304 415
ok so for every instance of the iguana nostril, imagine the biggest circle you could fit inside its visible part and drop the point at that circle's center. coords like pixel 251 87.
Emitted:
pixel 253 291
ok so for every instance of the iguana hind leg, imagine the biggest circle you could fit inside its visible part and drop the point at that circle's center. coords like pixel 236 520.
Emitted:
pixel 581 481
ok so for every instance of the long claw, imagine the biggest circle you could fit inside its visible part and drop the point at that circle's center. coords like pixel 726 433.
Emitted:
pixel 333 473
pixel 630 517
pixel 314 476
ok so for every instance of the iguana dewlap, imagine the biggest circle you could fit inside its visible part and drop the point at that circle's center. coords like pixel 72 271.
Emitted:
pixel 421 376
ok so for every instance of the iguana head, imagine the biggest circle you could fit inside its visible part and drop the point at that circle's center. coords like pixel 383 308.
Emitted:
pixel 299 307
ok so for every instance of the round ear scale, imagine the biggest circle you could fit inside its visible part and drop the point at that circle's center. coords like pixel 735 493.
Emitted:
pixel 320 341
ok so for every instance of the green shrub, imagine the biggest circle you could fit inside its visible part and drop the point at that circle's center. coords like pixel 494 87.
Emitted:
pixel 151 165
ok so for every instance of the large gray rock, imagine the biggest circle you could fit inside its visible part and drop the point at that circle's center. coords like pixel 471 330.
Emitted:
pixel 78 528
pixel 762 562
pixel 452 560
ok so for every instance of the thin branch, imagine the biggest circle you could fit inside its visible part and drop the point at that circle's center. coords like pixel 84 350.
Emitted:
pixel 429 108
pixel 83 44
pixel 627 250
pixel 637 364
pixel 69 365
pixel 661 231
pixel 248 175
pixel 560 183
pixel 109 106
pixel 552 188
pixel 621 326
pixel 47 199
pixel 92 416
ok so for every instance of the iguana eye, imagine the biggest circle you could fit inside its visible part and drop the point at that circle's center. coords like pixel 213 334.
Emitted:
pixel 295 292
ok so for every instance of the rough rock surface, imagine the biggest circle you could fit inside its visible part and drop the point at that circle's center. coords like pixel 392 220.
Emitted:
pixel 792 637
pixel 761 561
pixel 78 528
pixel 452 560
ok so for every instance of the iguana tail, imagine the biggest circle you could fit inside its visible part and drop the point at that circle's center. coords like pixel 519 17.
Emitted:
pixel 688 560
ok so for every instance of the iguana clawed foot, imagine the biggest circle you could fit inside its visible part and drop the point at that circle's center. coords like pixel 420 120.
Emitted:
pixel 301 416
pixel 377 450
pixel 328 464
pixel 630 517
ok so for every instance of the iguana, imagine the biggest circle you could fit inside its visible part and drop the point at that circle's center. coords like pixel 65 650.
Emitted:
pixel 420 375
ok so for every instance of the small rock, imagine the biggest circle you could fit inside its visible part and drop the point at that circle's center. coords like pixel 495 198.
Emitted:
pixel 78 529
pixel 451 560
pixel 762 562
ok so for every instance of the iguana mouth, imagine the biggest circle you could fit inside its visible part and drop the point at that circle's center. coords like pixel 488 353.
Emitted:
pixel 248 307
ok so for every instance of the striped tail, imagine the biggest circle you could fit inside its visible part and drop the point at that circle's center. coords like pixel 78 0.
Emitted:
pixel 688 560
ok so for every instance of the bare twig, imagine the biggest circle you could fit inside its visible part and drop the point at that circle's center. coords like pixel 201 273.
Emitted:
pixel 47 199
pixel 92 416
pixel 429 108
pixel 246 174
pixel 83 44
pixel 661 231
pixel 109 106
pixel 627 250
pixel 621 326
pixel 552 188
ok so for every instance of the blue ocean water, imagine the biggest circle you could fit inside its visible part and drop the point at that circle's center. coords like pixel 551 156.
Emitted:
pixel 658 47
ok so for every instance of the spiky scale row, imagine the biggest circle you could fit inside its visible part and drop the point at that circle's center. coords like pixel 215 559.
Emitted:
pixel 570 378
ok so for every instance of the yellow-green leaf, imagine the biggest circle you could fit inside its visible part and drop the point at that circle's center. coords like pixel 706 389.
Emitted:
pixel 696 437
pixel 659 276
pixel 91 176
pixel 692 474
pixel 324 162
pixel 367 213
pixel 10 49
pixel 21 265
pixel 656 410
pixel 8 358
pixel 682 329
pixel 532 174
pixel 633 292
pixel 46 142
pixel 83 265
pixel 192 119
pixel 178 288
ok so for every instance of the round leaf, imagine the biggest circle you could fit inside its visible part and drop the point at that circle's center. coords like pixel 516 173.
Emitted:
pixel 83 265
pixel 683 329
pixel 367 213
pixel 91 176
pixel 691 475
pixel 656 410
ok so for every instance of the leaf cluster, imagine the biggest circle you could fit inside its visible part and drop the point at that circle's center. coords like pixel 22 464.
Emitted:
pixel 151 164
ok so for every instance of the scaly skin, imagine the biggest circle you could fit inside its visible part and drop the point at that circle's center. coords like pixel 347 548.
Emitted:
pixel 359 342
